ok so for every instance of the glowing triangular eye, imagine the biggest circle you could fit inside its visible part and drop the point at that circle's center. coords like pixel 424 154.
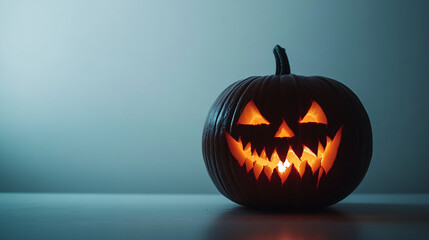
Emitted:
pixel 252 116
pixel 314 115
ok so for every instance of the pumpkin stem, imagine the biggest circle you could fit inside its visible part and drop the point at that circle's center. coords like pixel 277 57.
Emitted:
pixel 282 63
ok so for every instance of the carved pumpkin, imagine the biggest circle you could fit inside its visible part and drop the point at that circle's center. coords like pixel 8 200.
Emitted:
pixel 287 140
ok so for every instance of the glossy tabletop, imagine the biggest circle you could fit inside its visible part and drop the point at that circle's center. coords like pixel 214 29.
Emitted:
pixel 172 216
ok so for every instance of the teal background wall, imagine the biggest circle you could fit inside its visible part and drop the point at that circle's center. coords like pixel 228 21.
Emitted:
pixel 111 96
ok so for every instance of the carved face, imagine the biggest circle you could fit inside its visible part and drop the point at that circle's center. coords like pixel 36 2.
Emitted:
pixel 286 149
pixel 287 140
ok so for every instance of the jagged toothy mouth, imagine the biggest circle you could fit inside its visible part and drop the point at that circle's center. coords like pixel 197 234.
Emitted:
pixel 322 160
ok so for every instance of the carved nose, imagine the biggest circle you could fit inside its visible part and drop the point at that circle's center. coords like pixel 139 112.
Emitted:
pixel 284 131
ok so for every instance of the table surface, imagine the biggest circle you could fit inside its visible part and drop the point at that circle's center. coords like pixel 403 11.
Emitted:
pixel 172 216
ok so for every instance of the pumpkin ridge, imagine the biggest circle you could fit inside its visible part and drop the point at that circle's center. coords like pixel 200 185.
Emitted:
pixel 287 97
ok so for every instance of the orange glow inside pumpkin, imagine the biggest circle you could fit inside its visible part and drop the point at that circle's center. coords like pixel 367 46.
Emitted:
pixel 252 116
pixel 284 131
pixel 322 160
pixel 315 115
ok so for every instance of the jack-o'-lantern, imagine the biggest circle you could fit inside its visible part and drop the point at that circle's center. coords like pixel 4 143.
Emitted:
pixel 287 140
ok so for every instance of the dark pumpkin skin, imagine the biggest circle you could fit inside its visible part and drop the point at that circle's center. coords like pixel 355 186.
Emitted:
pixel 287 96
